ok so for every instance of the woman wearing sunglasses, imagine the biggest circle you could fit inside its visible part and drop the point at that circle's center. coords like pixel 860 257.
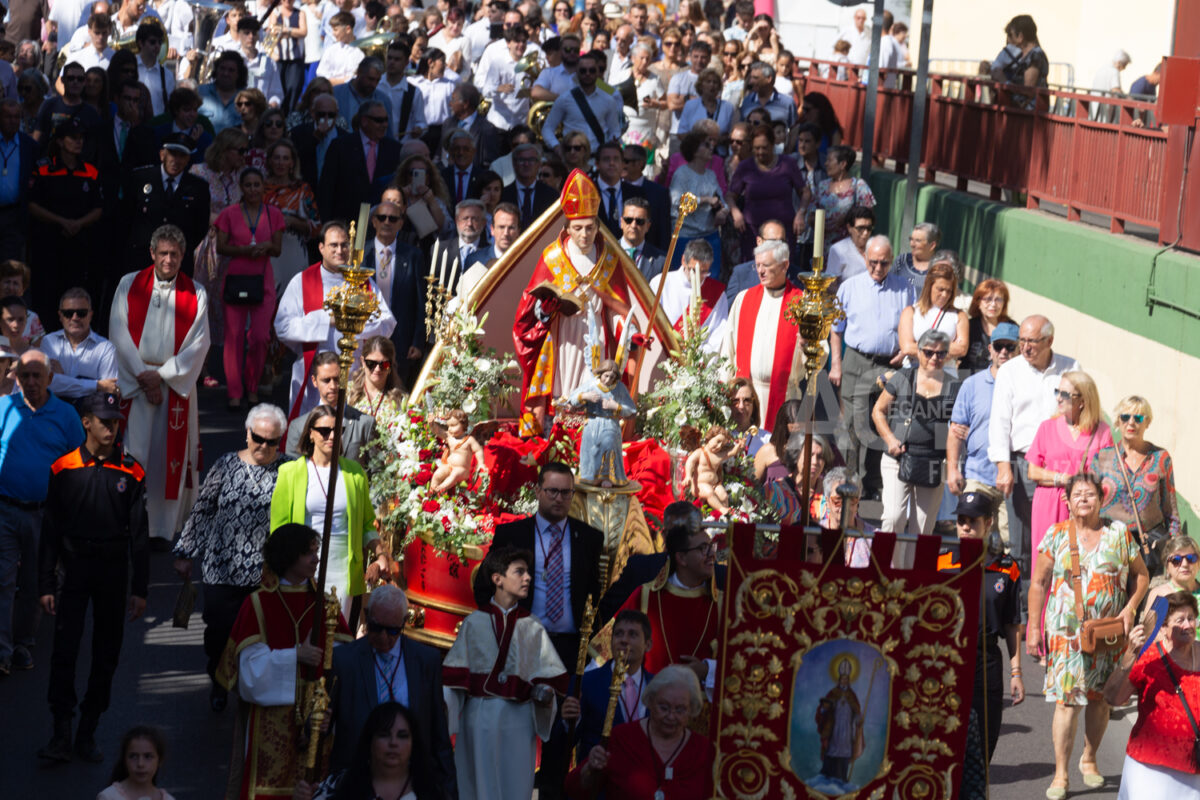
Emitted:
pixel 1139 481
pixel 301 494
pixel 1181 555
pixel 375 387
pixel 227 527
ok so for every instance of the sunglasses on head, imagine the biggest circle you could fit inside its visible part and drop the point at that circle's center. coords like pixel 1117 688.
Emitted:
pixel 372 364
pixel 635 220
pixel 390 630
pixel 1004 347
pixel 1190 558
pixel 83 312
pixel 1138 418
pixel 269 442
pixel 324 431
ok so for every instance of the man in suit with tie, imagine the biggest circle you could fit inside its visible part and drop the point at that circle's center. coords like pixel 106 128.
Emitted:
pixel 526 192
pixel 354 161
pixel 357 428
pixel 614 189
pixel 659 197
pixel 400 276
pixel 461 175
pixel 464 111
pixel 566 571
pixel 18 152
pixel 631 639
pixel 314 138
pixel 470 218
pixel 506 228
pixel 129 143
pixel 164 193
pixel 386 666
pixel 635 222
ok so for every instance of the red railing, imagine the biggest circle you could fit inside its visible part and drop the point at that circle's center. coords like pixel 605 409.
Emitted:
pixel 976 130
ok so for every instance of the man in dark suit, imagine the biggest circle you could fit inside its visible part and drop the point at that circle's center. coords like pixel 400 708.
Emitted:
pixel 464 111
pixel 630 638
pixel 164 193
pixel 470 222
pixel 660 199
pixel 357 428
pixel 314 137
pixel 635 221
pixel 125 142
pixel 527 193
pixel 461 175
pixel 400 275
pixel 614 189
pixel 386 666
pixel 354 161
pixel 566 571
pixel 19 153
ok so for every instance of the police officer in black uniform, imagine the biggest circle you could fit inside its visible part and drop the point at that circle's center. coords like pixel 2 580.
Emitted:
pixel 1001 619
pixel 161 194
pixel 94 526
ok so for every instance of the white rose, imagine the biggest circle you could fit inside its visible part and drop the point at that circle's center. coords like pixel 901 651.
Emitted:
pixel 482 364
pixel 681 418
pixel 469 405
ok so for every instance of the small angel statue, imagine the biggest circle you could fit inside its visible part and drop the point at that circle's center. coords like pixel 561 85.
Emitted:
pixel 459 448
pixel 704 470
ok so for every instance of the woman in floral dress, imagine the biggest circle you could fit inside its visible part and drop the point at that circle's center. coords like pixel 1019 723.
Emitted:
pixel 1074 679
pixel 840 192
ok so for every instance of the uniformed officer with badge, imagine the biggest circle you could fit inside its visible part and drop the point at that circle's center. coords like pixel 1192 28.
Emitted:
pixel 94 527
pixel 165 193
pixel 1001 619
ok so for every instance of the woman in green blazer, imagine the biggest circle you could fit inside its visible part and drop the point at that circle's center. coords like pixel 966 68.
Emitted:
pixel 300 496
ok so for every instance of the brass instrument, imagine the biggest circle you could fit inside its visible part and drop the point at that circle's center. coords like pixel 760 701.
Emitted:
pixel 376 44
pixel 536 118
pixel 128 40
pixel 271 39
pixel 206 14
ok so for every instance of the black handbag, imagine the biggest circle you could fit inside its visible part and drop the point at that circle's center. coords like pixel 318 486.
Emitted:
pixel 920 470
pixel 244 290
pixel 1187 709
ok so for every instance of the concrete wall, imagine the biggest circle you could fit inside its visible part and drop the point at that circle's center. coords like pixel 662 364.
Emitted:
pixel 1093 286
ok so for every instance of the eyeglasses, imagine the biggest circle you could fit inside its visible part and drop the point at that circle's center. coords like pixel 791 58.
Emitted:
pixel 706 548
pixel 575 148
pixel 878 262
pixel 587 70
pixel 559 493
pixel 1138 418
pixel 992 300
pixel 1176 561
pixel 737 141
pixel 1004 347
pixel 1038 340
pixel 83 312
pixel 931 354
pixel 672 43
pixel 665 709
pixel 325 115
pixel 372 364
pixel 1064 396
pixel 863 229
pixel 264 440
pixel 387 218
pixel 243 104
pixel 324 431
pixel 380 120
pixel 635 220
pixel 273 123
pixel 390 630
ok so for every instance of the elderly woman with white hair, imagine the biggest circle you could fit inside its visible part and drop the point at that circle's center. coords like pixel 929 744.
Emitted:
pixel 227 527
pixel 835 509
pixel 912 416
pixel 655 758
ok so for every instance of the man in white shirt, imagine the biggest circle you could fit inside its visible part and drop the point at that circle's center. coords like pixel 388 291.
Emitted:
pixel 566 109
pixel 408 106
pixel 497 78
pixel 71 15
pixel 859 37
pixel 848 257
pixel 479 33
pixel 151 74
pixel 81 360
pixel 558 78
pixel 340 59
pixel 263 74
pixel 97 53
pixel 683 83
pixel 1023 398
pixel 891 55
pixel 620 62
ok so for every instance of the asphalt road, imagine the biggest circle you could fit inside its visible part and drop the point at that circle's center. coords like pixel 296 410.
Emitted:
pixel 161 681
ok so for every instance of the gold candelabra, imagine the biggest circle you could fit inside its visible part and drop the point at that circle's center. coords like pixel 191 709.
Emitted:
pixel 815 314
pixel 353 304
pixel 437 299
pixel 319 700
pixel 620 670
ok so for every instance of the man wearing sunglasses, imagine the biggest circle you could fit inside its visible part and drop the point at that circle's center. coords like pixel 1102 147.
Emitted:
pixel 969 429
pixel 848 257
pixel 585 108
pixel 354 162
pixel 635 224
pixel 659 231
pixel 357 428
pixel 387 666
pixel 81 361
pixel 69 104
pixel 399 274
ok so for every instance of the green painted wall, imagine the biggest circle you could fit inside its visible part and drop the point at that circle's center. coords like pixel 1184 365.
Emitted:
pixel 1087 268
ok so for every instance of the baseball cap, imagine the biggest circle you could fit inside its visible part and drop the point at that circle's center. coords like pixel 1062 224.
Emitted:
pixel 101 405
pixel 974 504
pixel 178 143
pixel 1006 332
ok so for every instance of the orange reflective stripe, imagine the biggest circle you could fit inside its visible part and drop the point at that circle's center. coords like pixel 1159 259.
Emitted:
pixel 71 460
pixel 946 561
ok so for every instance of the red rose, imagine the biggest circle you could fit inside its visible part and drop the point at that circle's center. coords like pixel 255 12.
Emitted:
pixel 446 524
pixel 425 455
pixel 424 475
pixel 431 506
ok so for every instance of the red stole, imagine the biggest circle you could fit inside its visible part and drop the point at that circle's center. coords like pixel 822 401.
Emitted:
pixel 186 305
pixel 786 337
pixel 710 292
pixel 312 293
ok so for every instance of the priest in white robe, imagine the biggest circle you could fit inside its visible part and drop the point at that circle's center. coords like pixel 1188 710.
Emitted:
pixel 761 345
pixel 303 324
pixel 690 285
pixel 159 326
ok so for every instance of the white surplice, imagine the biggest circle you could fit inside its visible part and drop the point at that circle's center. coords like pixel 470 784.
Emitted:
pixel 146 435
pixel 677 297
pixel 296 328
pixel 572 359
pixel 762 347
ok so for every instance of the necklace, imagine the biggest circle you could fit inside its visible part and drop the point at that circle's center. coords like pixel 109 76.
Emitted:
pixel 662 626
pixel 295 622
pixel 317 475
pixel 668 771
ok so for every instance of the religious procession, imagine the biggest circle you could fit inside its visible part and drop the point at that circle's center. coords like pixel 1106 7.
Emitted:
pixel 505 401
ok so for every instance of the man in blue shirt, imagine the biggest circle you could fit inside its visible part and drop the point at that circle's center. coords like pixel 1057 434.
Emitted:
pixel 35 429
pixel 969 423
pixel 362 88
pixel 762 78
pixel 872 301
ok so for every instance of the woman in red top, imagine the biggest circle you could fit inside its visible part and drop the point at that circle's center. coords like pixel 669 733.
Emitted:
pixel 1159 760
pixel 656 758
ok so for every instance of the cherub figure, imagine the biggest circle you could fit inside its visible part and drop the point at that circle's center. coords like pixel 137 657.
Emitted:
pixel 704 470
pixel 606 401
pixel 459 448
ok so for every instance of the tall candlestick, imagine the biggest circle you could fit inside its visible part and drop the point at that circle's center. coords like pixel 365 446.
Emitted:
pixel 819 233
pixel 360 239
pixel 442 268
pixel 453 272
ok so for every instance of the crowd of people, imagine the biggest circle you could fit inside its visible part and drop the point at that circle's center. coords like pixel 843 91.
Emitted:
pixel 163 211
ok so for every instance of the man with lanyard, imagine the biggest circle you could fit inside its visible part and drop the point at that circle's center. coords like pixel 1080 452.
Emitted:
pixel 1001 618
pixel 386 666
pixel 585 108
pixel 153 75
pixel 94 527
pixel 35 429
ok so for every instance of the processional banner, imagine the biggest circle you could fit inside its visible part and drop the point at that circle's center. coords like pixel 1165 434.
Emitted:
pixel 844 682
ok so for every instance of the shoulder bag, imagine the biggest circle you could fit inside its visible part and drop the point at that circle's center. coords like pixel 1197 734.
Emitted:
pixel 1096 636
pixel 1149 541
pixel 248 290
pixel 1186 708
pixel 589 116
pixel 924 471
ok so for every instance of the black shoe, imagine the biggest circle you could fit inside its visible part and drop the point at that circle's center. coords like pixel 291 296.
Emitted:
pixel 21 658
pixel 85 741
pixel 218 698
pixel 59 746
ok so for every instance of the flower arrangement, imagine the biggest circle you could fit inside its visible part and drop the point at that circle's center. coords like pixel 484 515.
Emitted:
pixel 469 376
pixel 746 498
pixel 691 397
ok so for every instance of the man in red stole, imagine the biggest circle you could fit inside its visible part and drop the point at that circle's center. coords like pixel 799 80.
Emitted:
pixel 303 324
pixel 690 285
pixel 159 325
pixel 761 345
pixel 272 656
pixel 550 344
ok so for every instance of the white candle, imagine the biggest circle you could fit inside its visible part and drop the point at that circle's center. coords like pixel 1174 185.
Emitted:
pixel 441 266
pixel 360 234
pixel 453 273
pixel 819 234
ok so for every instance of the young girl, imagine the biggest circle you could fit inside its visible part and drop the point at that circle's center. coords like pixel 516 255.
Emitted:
pixel 136 771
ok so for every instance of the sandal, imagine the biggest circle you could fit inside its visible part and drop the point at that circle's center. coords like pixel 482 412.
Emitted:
pixel 1093 779
pixel 1057 792
pixel 211 382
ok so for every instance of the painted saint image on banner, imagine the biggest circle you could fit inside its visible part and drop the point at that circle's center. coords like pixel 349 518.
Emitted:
pixel 840 709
